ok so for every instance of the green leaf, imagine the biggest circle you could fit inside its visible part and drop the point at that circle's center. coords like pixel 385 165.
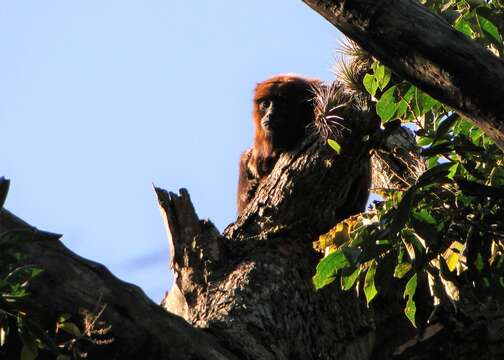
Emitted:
pixel 423 103
pixel 35 271
pixel 379 73
pixel 4 189
pixel 64 317
pixel 409 293
pixel 369 283
pixel 334 145
pixel 464 27
pixel 63 357
pixel 402 107
pixel 425 216
pixel 453 171
pixel 402 269
pixel 348 278
pixel 387 106
pixel 386 78
pixel 370 84
pixel 424 141
pixel 328 268
pixel 488 27
pixel 463 127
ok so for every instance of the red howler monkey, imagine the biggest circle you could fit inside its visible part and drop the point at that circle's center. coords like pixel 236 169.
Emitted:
pixel 282 108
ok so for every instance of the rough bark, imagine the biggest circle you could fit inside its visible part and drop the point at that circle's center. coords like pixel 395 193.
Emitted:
pixel 424 49
pixel 140 329
pixel 251 286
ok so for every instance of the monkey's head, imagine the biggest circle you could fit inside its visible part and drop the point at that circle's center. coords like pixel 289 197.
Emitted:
pixel 283 107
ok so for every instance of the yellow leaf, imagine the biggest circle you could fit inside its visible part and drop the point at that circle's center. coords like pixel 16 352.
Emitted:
pixel 452 255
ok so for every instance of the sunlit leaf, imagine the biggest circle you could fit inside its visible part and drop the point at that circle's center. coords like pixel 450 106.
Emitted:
pixel 453 171
pixel 369 283
pixel 387 106
pixel 334 145
pixel 338 235
pixel 423 103
pixel 402 269
pixel 489 28
pixel 386 78
pixel 328 268
pixel 409 293
pixel 424 141
pixel 425 216
pixel 348 278
pixel 380 72
pixel 370 84
pixel 402 107
pixel 464 27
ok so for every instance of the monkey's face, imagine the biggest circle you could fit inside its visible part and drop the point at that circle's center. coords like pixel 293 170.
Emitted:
pixel 282 109
pixel 274 111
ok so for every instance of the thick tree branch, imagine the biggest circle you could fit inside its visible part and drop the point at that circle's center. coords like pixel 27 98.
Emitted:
pixel 70 284
pixel 424 49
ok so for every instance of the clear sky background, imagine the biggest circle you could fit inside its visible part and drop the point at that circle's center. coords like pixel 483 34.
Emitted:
pixel 101 98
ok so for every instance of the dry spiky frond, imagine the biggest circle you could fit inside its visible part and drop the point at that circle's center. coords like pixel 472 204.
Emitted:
pixel 350 74
pixel 353 63
pixel 328 101
pixel 351 49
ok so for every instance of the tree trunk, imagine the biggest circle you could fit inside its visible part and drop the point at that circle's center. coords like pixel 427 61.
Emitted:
pixel 251 287
pixel 426 50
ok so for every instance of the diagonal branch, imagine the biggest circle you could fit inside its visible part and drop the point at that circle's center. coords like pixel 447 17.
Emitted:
pixel 424 49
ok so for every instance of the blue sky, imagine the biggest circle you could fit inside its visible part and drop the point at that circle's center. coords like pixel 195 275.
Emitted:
pixel 100 99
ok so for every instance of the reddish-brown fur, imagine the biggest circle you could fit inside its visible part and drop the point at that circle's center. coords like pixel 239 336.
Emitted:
pixel 281 129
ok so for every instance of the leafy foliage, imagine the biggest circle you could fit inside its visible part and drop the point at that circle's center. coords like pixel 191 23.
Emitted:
pixel 447 227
